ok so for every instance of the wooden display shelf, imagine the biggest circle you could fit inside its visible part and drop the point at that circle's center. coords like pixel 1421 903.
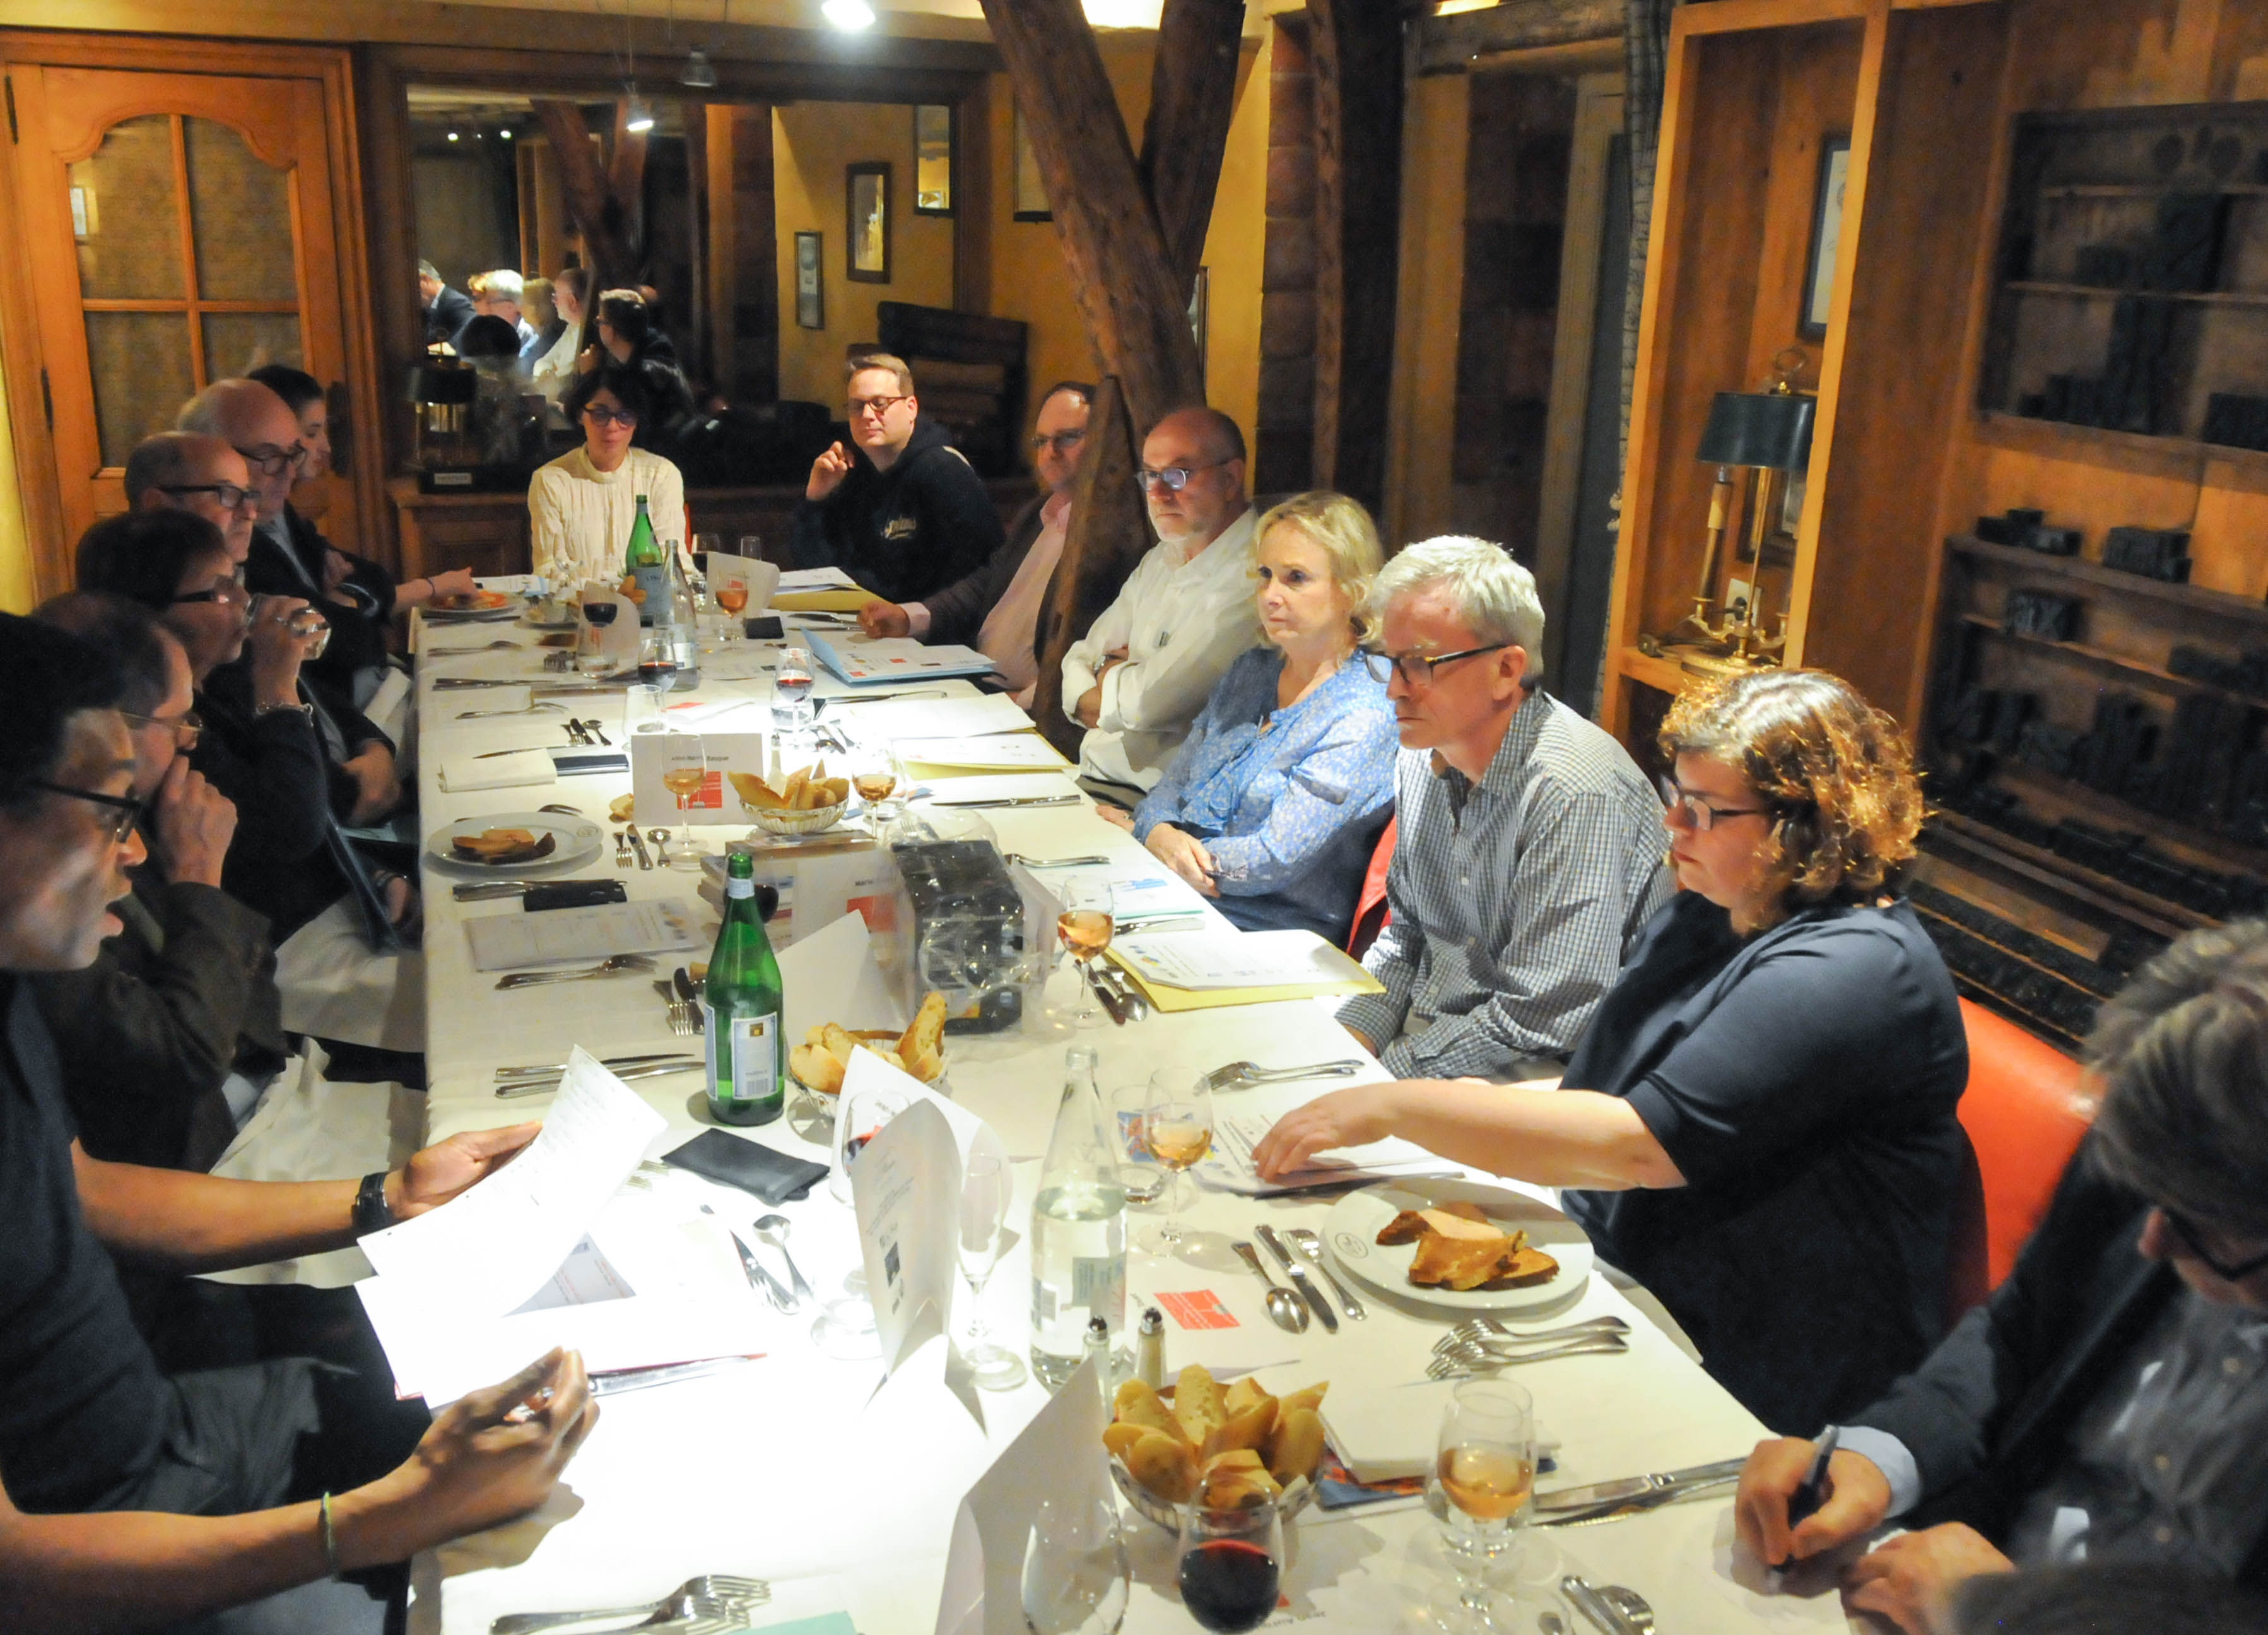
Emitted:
pixel 2151 189
pixel 2106 292
pixel 1665 675
pixel 2075 879
pixel 2110 663
pixel 2070 433
pixel 2056 797
pixel 2193 597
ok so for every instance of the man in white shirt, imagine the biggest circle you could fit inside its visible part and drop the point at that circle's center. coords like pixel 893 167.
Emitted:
pixel 1144 670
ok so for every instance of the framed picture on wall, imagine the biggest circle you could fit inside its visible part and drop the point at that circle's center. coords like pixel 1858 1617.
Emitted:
pixel 933 158
pixel 868 190
pixel 1826 237
pixel 1031 192
pixel 810 297
pixel 1199 293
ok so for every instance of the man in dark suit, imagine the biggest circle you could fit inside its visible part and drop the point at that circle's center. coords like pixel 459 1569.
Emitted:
pixel 446 310
pixel 2109 1401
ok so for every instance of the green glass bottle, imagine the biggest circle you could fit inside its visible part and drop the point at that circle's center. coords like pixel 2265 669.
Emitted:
pixel 740 1004
pixel 644 571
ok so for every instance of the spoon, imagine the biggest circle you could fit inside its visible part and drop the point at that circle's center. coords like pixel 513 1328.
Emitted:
pixel 1631 1605
pixel 1551 1624
pixel 1285 1310
pixel 773 1229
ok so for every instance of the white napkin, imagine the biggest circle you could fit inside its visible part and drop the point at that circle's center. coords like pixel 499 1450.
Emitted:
pixel 510 772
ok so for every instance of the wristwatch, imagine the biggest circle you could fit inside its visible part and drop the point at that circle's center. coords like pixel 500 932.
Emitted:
pixel 303 708
pixel 371 1213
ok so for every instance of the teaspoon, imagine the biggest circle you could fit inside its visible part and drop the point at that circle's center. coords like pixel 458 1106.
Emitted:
pixel 1285 1310
pixel 773 1229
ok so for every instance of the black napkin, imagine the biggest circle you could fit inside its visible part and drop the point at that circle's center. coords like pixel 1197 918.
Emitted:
pixel 750 1165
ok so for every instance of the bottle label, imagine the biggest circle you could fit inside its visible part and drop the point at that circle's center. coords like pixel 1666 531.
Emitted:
pixel 743 1057
pixel 1098 1283
pixel 735 885
pixel 651 591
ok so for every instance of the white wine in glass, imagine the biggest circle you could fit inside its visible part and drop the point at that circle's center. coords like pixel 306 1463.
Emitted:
pixel 684 772
pixel 1482 1477
pixel 1084 926
pixel 1177 1126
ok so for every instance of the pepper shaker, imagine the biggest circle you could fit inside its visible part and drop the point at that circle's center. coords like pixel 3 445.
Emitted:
pixel 1150 1349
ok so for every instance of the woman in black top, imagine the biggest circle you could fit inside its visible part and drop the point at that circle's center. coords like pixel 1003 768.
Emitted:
pixel 1758 1125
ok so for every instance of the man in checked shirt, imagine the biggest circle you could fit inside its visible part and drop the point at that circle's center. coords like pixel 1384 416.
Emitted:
pixel 1529 848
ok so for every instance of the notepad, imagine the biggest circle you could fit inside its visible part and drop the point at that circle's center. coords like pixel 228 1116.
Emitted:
pixel 514 940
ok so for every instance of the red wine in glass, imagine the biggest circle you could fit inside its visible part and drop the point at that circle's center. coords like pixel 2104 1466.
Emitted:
pixel 1229 1585
pixel 600 613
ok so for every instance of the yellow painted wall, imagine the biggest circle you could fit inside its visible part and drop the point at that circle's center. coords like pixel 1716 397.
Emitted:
pixel 18 590
pixel 1419 500
pixel 1028 281
pixel 811 143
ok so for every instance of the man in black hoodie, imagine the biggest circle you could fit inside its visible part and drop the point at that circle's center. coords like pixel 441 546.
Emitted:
pixel 904 514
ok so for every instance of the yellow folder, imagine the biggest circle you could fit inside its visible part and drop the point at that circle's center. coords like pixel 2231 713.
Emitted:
pixel 1170 1000
pixel 821 601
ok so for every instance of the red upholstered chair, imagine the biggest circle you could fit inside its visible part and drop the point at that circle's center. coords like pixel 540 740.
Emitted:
pixel 1370 910
pixel 2024 1116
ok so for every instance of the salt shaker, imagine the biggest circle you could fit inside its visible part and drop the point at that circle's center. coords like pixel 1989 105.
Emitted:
pixel 1150 1349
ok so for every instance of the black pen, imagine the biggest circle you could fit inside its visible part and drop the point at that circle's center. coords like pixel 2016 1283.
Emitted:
pixel 1811 1492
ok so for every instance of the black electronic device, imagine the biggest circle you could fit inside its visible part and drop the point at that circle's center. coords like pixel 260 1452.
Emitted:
pixel 571 894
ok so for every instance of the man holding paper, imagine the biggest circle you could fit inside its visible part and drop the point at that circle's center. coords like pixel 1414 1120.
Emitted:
pixel 239 1483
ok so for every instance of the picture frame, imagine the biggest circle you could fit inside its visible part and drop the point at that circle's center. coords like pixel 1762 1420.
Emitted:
pixel 1200 300
pixel 810 281
pixel 866 221
pixel 934 158
pixel 1030 196
pixel 1826 236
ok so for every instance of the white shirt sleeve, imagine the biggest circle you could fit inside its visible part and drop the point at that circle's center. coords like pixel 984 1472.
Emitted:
pixel 1892 1458
pixel 1087 654
pixel 1163 691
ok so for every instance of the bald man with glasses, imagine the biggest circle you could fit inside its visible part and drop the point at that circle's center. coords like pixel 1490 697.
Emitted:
pixel 200 473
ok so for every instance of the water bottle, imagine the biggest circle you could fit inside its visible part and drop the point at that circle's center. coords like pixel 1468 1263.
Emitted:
pixel 643 577
pixel 1078 1231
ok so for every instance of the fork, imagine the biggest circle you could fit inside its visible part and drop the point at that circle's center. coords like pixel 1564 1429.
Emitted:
pixel 681 1012
pixel 1468 1365
pixel 705 1596
pixel 614 965
pixel 1237 1075
pixel 484 647
pixel 1469 1333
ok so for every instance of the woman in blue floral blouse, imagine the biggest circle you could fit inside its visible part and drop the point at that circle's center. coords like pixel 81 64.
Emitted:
pixel 1286 779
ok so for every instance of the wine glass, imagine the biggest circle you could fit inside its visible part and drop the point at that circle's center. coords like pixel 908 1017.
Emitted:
pixel 792 710
pixel 1483 1472
pixel 1076 1580
pixel 1084 926
pixel 845 1328
pixel 733 597
pixel 1177 1128
pixel 1230 1564
pixel 598 610
pixel 684 774
pixel 986 1190
pixel 879 778
pixel 657 671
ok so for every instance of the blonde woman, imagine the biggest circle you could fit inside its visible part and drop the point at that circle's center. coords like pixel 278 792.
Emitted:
pixel 1276 797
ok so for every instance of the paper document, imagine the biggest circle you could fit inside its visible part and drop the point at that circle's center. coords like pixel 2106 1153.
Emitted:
pixel 997 751
pixel 861 662
pixel 760 579
pixel 816 580
pixel 1234 959
pixel 830 976
pixel 488 1250
pixel 1240 1121
pixel 724 752
pixel 513 940
pixel 892 719
pixel 905 1187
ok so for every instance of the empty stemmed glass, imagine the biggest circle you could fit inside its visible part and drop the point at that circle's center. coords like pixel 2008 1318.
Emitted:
pixel 1177 1128
pixel 684 774
pixel 986 1190
pixel 1484 1474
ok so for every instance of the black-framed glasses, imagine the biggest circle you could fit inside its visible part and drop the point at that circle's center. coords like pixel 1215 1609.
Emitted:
pixel 228 494
pixel 275 461
pixel 1417 669
pixel 186 727
pixel 1062 442
pixel 225 590
pixel 875 405
pixel 600 414
pixel 129 810
pixel 2190 1240
pixel 1173 478
pixel 1699 812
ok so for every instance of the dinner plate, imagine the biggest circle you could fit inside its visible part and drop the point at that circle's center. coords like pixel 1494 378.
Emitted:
pixel 1352 1231
pixel 472 602
pixel 576 841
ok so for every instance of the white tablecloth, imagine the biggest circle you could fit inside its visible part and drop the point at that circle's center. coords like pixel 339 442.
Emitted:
pixel 796 1470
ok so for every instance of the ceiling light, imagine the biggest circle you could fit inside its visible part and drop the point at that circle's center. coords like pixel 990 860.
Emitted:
pixel 697 72
pixel 505 134
pixel 848 14
pixel 641 115
pixel 453 135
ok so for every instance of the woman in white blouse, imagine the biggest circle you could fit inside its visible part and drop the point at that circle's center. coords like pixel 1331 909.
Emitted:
pixel 580 506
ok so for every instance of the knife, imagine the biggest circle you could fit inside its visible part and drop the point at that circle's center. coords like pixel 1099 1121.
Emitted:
pixel 1295 1269
pixel 1105 993
pixel 541 1083
pixel 1020 800
pixel 614 1063
pixel 1659 1488
pixel 637 844
pixel 614 1382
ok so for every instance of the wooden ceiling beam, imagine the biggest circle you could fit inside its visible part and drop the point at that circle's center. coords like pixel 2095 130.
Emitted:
pixel 590 193
pixel 1450 45
pixel 1192 100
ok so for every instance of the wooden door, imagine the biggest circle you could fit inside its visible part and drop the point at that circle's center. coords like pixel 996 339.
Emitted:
pixel 180 230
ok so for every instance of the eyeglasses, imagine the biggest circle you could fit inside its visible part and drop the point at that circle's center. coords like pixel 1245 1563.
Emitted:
pixel 2187 1235
pixel 875 405
pixel 1173 478
pixel 600 414
pixel 129 810
pixel 1062 442
pixel 1699 812
pixel 186 727
pixel 225 590
pixel 1417 669
pixel 273 462
pixel 228 494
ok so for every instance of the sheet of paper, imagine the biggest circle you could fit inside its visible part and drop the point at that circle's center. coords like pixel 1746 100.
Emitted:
pixel 759 577
pixel 1241 1120
pixel 830 976
pixel 716 801
pixel 513 940
pixel 891 719
pixel 862 662
pixel 996 751
pixel 486 1250
pixel 816 580
pixel 1057 1457
pixel 1141 887
pixel 1232 958
pixel 905 1188
pixel 525 767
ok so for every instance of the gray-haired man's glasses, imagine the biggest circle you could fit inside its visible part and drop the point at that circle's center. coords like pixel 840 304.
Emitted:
pixel 1417 669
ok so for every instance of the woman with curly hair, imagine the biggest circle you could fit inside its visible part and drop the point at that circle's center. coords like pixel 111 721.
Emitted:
pixel 1758 1125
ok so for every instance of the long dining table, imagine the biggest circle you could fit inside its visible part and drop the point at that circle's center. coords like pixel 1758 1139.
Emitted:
pixel 814 1474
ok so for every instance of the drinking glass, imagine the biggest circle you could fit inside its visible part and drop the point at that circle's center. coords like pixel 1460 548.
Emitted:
pixel 879 777
pixel 1483 1473
pixel 792 709
pixel 1084 925
pixel 1177 1128
pixel 1231 1564
pixel 732 597
pixel 657 672
pixel 986 1190
pixel 1076 1577
pixel 598 610
pixel 684 774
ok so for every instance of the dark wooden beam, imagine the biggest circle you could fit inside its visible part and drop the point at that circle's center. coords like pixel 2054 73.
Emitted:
pixel 1109 531
pixel 1356 46
pixel 590 195
pixel 1136 311
pixel 626 181
pixel 1449 45
pixel 1192 98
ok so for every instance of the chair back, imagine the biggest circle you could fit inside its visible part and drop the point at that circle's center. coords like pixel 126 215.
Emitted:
pixel 2024 1116
pixel 1370 910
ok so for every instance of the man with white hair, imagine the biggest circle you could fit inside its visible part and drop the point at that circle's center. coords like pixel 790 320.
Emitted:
pixel 505 287
pixel 1528 852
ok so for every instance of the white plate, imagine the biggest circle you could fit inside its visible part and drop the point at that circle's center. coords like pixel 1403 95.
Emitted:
pixel 1352 1231
pixel 576 841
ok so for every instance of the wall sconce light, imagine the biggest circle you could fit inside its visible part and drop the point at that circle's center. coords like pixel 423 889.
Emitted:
pixel 850 15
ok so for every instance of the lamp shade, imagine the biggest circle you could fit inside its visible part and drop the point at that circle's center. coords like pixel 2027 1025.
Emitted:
pixel 1770 430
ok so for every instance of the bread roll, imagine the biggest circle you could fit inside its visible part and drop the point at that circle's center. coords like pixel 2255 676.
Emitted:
pixel 1241 1431
pixel 1296 1449
pixel 1197 1405
pixel 1164 1464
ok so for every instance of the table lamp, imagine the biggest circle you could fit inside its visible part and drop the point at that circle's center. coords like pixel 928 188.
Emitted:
pixel 1747 432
